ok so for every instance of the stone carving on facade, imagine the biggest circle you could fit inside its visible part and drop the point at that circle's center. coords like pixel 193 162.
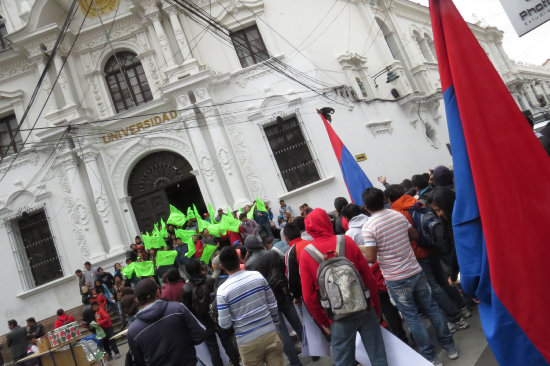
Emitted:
pixel 16 68
pixel 224 157
pixel 207 166
pixel 130 153
pixel 122 28
pixel 26 157
pixel 242 152
pixel 103 207
pixel 242 79
pixel 77 212
pixel 380 128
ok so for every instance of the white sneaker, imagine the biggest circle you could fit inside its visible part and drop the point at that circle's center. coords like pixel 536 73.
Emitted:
pixel 453 354
pixel 465 312
pixel 436 362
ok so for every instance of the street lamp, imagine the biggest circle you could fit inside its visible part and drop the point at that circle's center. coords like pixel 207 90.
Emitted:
pixel 391 76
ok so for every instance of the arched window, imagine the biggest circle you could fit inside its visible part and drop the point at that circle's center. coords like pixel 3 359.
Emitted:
pixel 126 80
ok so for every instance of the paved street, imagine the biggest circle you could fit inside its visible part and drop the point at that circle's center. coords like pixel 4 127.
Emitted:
pixel 471 342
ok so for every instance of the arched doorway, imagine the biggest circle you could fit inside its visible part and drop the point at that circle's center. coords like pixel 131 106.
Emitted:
pixel 159 180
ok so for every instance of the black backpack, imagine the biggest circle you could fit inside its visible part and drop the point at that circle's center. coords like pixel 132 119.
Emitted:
pixel 426 223
pixel 201 298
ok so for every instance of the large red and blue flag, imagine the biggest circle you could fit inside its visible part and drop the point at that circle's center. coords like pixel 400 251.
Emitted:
pixel 355 178
pixel 502 209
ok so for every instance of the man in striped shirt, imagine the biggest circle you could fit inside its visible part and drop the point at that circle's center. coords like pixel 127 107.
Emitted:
pixel 387 236
pixel 246 303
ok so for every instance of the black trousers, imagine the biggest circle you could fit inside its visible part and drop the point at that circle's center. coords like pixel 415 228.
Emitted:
pixel 226 338
pixel 108 344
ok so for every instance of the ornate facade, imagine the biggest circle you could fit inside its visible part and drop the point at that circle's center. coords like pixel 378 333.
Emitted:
pixel 174 86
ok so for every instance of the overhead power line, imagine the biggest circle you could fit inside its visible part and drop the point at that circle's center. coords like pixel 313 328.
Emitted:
pixel 52 89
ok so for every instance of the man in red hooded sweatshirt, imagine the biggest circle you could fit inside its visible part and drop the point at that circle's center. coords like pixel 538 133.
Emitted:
pixel 343 332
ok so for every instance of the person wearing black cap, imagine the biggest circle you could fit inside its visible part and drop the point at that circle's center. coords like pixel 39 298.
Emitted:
pixel 163 333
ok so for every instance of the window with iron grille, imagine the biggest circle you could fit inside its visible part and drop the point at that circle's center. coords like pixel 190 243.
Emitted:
pixel 249 46
pixel 34 249
pixel 126 80
pixel 10 138
pixel 4 44
pixel 291 153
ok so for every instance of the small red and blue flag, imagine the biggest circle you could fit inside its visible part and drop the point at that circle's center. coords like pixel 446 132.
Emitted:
pixel 502 208
pixel 355 178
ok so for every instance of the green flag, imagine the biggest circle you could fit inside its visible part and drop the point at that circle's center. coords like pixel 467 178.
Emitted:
pixel 186 237
pixel 260 205
pixel 250 214
pixel 153 242
pixel 144 269
pixel 215 230
pixel 155 231
pixel 200 222
pixel 190 213
pixel 176 217
pixel 212 214
pixel 230 224
pixel 128 271
pixel 166 257
pixel 207 252
pixel 181 233
pixel 191 250
pixel 163 229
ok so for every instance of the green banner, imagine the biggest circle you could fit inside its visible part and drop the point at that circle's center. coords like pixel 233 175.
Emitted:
pixel 260 205
pixel 128 271
pixel 153 242
pixel 200 222
pixel 176 217
pixel 186 237
pixel 230 224
pixel 166 257
pixel 215 230
pixel 190 213
pixel 250 214
pixel 191 250
pixel 207 252
pixel 163 229
pixel 144 269
pixel 212 214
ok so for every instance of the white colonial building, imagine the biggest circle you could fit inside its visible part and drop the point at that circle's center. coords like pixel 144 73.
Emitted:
pixel 154 106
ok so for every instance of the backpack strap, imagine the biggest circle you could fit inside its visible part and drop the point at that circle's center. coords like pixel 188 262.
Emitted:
pixel 341 245
pixel 315 253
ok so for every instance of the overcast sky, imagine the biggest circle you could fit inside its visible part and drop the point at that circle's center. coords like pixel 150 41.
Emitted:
pixel 533 47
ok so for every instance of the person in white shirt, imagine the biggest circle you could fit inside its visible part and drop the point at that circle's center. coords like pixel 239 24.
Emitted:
pixel 387 236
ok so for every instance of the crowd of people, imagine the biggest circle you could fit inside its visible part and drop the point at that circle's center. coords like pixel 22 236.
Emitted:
pixel 388 261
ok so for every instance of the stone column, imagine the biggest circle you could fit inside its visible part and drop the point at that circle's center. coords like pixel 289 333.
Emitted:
pixel 225 157
pixel 205 172
pixel 47 85
pixel 63 82
pixel 163 40
pixel 80 211
pixel 102 203
pixel 178 33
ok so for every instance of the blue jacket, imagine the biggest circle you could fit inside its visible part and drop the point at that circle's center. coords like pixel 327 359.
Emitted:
pixel 165 333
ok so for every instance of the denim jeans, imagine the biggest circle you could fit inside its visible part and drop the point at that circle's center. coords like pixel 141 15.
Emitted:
pixel 343 334
pixel 288 310
pixel 432 269
pixel 122 315
pixel 411 294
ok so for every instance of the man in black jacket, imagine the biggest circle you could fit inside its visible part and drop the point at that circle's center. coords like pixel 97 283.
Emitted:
pixel 197 296
pixel 163 333
pixel 17 340
pixel 272 267
pixel 34 330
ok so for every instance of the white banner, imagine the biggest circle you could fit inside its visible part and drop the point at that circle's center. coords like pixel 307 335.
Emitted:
pixel 527 15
